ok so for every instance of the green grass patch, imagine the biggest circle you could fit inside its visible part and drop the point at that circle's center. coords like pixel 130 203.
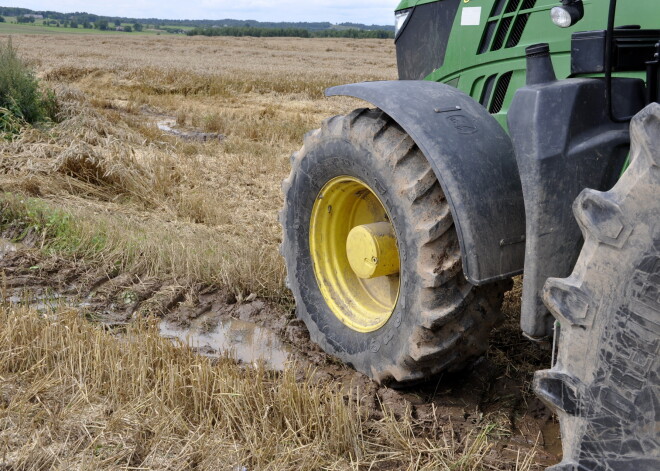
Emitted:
pixel 56 229
pixel 188 253
pixel 21 99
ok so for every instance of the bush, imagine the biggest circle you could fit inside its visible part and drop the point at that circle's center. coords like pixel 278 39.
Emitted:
pixel 21 101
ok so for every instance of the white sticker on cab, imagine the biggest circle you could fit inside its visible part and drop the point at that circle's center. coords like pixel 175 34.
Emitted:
pixel 470 16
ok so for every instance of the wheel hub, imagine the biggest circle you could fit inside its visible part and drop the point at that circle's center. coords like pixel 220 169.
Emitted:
pixel 354 253
pixel 371 250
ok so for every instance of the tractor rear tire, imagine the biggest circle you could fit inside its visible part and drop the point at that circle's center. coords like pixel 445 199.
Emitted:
pixel 605 384
pixel 439 321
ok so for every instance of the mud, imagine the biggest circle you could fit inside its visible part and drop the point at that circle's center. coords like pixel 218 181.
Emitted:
pixel 495 390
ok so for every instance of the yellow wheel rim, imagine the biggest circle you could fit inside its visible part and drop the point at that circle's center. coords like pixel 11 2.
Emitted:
pixel 354 252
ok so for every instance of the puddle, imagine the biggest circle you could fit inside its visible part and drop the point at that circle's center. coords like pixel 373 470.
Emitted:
pixel 552 438
pixel 168 126
pixel 243 341
pixel 40 302
pixel 7 246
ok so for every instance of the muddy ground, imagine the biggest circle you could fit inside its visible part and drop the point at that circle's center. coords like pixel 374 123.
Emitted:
pixel 495 390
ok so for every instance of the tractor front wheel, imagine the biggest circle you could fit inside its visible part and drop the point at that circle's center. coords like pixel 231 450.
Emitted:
pixel 372 255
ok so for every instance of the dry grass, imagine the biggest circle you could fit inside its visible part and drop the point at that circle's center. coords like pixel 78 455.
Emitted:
pixel 194 210
pixel 76 397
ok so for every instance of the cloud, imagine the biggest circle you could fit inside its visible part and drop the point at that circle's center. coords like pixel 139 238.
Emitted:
pixel 338 11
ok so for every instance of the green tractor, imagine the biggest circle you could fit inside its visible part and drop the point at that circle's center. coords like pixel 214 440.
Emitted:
pixel 522 137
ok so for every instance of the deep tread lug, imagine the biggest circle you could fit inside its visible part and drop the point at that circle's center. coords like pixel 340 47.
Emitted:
pixel 644 129
pixel 559 390
pixel 422 185
pixel 404 149
pixel 600 217
pixel 568 302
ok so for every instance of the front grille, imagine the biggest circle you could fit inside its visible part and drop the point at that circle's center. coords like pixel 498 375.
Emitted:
pixel 500 93
pixel 505 25
pixel 494 90
pixel 497 9
pixel 517 30
pixel 512 6
pixel 488 36
pixel 487 90
pixel 502 32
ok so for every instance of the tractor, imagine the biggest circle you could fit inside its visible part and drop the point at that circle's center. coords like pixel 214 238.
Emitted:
pixel 522 137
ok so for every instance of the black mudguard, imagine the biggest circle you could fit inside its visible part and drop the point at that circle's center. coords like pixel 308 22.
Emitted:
pixel 474 161
pixel 565 141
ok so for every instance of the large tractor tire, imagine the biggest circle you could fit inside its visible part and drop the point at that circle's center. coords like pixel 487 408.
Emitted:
pixel 605 384
pixel 372 255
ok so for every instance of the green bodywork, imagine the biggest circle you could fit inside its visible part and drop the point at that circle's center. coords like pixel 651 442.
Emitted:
pixel 468 70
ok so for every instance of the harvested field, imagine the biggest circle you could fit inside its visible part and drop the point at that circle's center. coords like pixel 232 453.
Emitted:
pixel 120 224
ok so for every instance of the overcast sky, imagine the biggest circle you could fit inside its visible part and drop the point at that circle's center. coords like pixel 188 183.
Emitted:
pixel 336 11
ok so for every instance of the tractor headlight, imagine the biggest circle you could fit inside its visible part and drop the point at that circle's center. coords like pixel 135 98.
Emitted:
pixel 400 18
pixel 568 14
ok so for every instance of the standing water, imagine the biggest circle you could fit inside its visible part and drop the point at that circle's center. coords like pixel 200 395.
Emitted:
pixel 241 340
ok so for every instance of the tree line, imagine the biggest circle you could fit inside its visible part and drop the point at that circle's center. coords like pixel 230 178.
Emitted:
pixel 290 32
pixel 75 22
pixel 90 18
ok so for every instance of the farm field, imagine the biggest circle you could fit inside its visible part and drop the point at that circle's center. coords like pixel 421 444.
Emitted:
pixel 149 212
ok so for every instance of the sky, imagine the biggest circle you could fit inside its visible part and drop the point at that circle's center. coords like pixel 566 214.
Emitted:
pixel 335 11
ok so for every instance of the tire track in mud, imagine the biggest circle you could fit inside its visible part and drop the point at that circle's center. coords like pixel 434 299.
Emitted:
pixel 488 393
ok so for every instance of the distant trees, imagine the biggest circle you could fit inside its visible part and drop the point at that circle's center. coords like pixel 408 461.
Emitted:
pixel 250 31
pixel 10 11
pixel 83 18
pixel 2 19
pixel 354 33
pixel 289 32
pixel 223 27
